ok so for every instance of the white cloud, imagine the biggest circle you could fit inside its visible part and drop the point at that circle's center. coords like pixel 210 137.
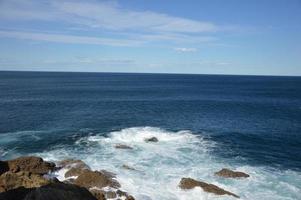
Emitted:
pixel 184 49
pixel 102 15
pixel 71 39
pixel 115 25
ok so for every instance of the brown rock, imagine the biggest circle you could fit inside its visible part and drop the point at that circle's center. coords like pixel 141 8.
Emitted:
pixel 71 163
pixel 227 173
pixel 111 195
pixel 130 198
pixel 189 183
pixel 98 194
pixel 151 139
pixel 10 180
pixel 74 172
pixel 31 164
pixel 89 179
pixel 122 146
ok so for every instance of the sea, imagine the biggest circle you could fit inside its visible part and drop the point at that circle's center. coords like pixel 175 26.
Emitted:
pixel 203 123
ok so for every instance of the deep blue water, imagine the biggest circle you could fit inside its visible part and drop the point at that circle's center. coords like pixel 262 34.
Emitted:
pixel 254 118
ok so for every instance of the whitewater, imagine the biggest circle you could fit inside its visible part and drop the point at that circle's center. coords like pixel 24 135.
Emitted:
pixel 160 166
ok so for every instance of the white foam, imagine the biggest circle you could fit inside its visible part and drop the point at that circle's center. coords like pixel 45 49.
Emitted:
pixel 161 166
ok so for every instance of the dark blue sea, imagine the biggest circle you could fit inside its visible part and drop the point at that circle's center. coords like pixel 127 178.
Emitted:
pixel 203 123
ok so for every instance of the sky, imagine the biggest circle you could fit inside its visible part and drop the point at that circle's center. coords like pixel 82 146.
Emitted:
pixel 250 37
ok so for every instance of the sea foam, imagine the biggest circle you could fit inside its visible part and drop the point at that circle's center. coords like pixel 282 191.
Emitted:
pixel 160 166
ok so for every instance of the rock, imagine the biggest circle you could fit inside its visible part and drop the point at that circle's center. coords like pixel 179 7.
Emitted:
pixel 10 180
pixel 122 146
pixel 111 195
pixel 151 139
pixel 71 163
pixel 31 164
pixel 124 195
pixel 59 191
pixel 89 179
pixel 3 167
pixel 98 194
pixel 74 172
pixel 227 173
pixel 189 183
pixel 15 194
pixel 128 167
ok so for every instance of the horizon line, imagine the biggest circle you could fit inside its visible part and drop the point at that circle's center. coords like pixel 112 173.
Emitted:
pixel 163 73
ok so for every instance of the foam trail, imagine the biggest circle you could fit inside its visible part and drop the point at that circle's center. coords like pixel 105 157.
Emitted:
pixel 160 166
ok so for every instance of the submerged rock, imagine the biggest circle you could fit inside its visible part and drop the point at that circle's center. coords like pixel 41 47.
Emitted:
pixel 128 167
pixel 53 191
pixel 98 194
pixel 10 180
pixel 30 164
pixel 122 146
pixel 227 173
pixel 189 183
pixel 151 139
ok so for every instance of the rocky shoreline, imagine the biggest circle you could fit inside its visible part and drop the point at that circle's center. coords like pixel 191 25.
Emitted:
pixel 32 178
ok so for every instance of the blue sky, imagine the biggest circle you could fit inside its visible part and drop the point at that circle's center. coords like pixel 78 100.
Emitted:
pixel 260 37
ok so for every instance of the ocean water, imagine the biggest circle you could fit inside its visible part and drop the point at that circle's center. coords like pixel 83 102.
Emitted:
pixel 203 123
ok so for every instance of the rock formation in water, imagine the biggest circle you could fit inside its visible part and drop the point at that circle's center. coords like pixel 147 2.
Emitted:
pixel 227 173
pixel 189 183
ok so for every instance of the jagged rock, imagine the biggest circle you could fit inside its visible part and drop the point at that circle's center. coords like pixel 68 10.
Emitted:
pixel 98 194
pixel 227 173
pixel 71 163
pixel 122 146
pixel 53 191
pixel 10 180
pixel 189 183
pixel 3 167
pixel 151 139
pixel 31 164
pixel 124 195
pixel 89 179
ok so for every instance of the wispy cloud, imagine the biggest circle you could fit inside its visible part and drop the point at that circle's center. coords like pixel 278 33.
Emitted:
pixel 70 39
pixel 184 49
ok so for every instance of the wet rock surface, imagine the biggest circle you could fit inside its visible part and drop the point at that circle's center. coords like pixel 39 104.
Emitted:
pixel 89 179
pixel 122 146
pixel 30 164
pixel 151 139
pixel 227 173
pixel 189 183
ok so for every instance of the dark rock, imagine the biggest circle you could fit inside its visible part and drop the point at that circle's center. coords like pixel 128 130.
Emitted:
pixel 31 164
pixel 122 146
pixel 3 167
pixel 98 194
pixel 15 194
pixel 227 173
pixel 89 179
pixel 151 139
pixel 10 180
pixel 128 167
pixel 122 194
pixel 189 183
pixel 59 191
